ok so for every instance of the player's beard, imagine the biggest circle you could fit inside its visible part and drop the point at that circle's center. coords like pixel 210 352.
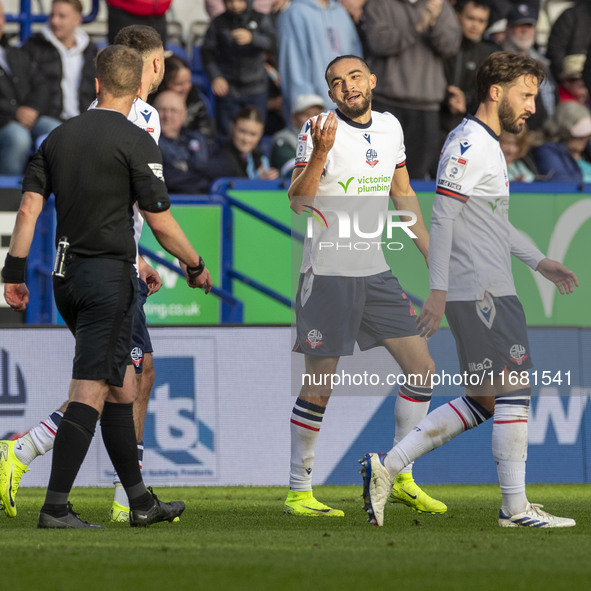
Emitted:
pixel 358 109
pixel 508 118
pixel 156 83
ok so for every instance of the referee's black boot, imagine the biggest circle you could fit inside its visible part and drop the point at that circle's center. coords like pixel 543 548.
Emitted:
pixel 68 521
pixel 159 511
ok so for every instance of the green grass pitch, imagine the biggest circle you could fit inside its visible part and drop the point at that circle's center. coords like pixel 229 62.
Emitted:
pixel 238 538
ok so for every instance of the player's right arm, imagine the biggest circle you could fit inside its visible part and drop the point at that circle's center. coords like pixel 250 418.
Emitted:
pixel 305 180
pixel 172 238
pixel 448 204
pixel 149 190
pixel 445 210
pixel 16 292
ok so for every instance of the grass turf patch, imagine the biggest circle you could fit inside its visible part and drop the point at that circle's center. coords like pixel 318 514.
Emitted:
pixel 238 538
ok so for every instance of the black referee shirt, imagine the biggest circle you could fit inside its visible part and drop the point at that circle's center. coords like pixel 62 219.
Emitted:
pixel 98 165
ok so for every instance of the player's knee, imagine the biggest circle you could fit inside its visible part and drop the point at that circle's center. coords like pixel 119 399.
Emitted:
pixel 422 374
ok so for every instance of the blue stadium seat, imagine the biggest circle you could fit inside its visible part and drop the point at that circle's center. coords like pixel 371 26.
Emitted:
pixel 178 50
pixel 196 61
pixel 199 77
pixel 209 102
pixel 201 80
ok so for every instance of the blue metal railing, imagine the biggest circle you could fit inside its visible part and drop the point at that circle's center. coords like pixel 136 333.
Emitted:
pixel 222 187
pixel 41 309
pixel 259 215
pixel 260 287
pixel 26 18
pixel 236 313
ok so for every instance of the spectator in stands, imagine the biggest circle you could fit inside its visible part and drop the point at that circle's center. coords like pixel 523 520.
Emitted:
pixel 65 55
pixel 460 70
pixel 407 43
pixel 497 31
pixel 185 152
pixel 587 70
pixel 240 156
pixel 177 77
pixel 24 94
pixel 233 54
pixel 285 141
pixel 565 157
pixel 521 166
pixel 572 87
pixel 500 8
pixel 215 7
pixel 355 9
pixel 275 119
pixel 311 33
pixel 277 7
pixel 570 34
pixel 521 36
pixel 123 13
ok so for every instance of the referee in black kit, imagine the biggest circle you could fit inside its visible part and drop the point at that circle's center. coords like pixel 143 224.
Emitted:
pixel 97 165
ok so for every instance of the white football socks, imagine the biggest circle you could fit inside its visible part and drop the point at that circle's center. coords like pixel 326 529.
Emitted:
pixel 39 440
pixel 412 405
pixel 509 445
pixel 438 427
pixel 305 422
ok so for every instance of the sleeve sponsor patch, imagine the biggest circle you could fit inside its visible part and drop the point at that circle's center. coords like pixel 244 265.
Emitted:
pixel 156 169
pixel 449 185
pixel 456 167
pixel 301 156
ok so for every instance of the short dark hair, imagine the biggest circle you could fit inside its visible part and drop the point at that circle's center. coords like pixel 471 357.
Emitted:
pixel 142 38
pixel 75 4
pixel 504 68
pixel 250 113
pixel 119 70
pixel 461 4
pixel 344 57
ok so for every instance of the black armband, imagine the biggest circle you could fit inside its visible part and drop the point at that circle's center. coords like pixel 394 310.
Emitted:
pixel 15 269
pixel 194 272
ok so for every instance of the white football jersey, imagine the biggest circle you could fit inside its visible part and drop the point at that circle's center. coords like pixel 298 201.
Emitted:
pixel 344 229
pixel 471 236
pixel 146 117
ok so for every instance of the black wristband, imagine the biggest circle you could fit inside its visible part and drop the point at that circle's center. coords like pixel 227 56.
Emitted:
pixel 194 272
pixel 15 269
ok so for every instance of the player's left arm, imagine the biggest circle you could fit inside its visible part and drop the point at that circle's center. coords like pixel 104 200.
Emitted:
pixel 404 198
pixel 16 292
pixel 564 279
pixel 521 247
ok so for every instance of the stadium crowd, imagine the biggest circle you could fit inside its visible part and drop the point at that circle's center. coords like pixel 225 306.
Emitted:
pixel 269 57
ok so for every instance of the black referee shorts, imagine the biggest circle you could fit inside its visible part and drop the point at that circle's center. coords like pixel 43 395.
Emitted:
pixel 97 300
